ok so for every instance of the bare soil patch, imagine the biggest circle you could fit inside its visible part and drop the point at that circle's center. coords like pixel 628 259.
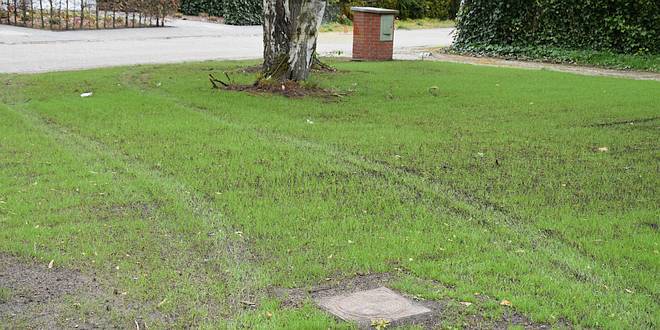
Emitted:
pixel 35 295
pixel 291 89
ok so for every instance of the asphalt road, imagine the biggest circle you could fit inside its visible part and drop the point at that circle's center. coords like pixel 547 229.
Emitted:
pixel 24 50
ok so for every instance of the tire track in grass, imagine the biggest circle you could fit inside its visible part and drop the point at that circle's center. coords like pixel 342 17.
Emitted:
pixel 559 256
pixel 235 255
pixel 557 248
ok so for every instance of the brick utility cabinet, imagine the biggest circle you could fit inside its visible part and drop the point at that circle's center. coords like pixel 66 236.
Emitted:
pixel 373 33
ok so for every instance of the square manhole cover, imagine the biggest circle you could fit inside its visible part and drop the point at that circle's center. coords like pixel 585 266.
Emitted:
pixel 366 306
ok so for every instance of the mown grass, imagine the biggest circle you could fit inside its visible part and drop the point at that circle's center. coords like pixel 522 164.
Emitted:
pixel 536 187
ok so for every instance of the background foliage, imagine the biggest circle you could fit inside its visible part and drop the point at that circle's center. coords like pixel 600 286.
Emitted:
pixel 236 12
pixel 441 9
pixel 621 26
pixel 195 7
pixel 243 12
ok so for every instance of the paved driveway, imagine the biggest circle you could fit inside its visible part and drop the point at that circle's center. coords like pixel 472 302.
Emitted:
pixel 30 50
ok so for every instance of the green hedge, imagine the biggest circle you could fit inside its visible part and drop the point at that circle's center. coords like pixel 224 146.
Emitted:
pixel 622 26
pixel 196 7
pixel 235 12
pixel 440 9
pixel 249 12
pixel 243 12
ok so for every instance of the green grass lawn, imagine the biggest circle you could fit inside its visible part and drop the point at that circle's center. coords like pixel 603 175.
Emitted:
pixel 536 187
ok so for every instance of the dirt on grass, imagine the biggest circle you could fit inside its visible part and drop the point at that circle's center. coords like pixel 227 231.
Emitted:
pixel 291 89
pixel 36 296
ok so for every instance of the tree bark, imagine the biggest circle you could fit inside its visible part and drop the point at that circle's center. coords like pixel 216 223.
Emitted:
pixel 82 13
pixel 41 12
pixel 290 32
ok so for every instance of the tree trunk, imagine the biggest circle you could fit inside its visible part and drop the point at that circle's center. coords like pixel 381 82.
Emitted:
pixel 50 16
pixel 82 13
pixel 41 12
pixel 290 32
pixel 16 12
pixel 32 13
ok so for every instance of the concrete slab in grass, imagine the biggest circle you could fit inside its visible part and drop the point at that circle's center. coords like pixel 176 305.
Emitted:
pixel 377 304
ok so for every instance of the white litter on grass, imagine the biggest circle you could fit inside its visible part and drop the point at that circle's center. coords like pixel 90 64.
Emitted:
pixel 310 121
pixel 87 94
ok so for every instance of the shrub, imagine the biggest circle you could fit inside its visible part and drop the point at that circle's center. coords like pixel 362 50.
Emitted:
pixel 407 8
pixel 243 12
pixel 623 26
pixel 195 7
pixel 438 8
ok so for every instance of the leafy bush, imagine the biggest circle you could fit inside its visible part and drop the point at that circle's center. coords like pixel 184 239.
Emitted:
pixel 622 26
pixel 243 12
pixel 195 7
pixel 440 9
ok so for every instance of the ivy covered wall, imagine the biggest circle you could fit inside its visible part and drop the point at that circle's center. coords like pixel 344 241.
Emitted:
pixel 622 26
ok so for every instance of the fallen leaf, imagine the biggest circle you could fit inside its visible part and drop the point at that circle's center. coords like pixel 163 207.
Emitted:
pixel 269 315
pixel 380 324
pixel 506 303
pixel 248 303
pixel 50 264
pixel 162 302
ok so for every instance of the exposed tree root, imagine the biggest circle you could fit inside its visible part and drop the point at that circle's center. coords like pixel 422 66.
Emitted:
pixel 288 88
pixel 318 65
